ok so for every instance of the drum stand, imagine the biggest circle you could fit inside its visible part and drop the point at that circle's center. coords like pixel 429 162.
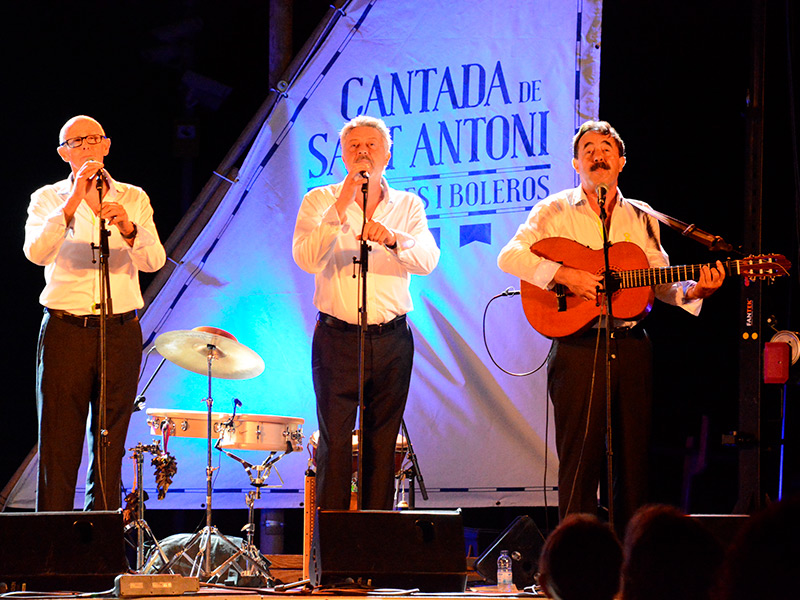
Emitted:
pixel 202 539
pixel 142 528
pixel 258 564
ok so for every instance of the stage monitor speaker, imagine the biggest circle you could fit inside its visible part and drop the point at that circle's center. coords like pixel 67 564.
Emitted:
pixel 70 551
pixel 524 542
pixel 390 549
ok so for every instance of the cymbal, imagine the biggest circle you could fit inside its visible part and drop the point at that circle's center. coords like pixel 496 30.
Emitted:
pixel 191 348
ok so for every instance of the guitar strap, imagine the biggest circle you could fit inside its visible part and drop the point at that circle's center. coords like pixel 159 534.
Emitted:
pixel 712 242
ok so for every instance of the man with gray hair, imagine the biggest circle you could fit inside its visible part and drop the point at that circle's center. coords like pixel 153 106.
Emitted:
pixel 327 238
pixel 63 234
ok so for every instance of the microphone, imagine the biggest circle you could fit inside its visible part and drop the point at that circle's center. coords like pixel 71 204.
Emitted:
pixel 100 173
pixel 601 190
pixel 364 174
pixel 510 292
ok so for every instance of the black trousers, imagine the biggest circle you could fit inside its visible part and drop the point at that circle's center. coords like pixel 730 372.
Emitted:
pixel 577 388
pixel 388 361
pixel 68 390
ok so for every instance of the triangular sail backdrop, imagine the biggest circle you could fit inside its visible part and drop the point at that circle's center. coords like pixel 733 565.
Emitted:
pixel 483 100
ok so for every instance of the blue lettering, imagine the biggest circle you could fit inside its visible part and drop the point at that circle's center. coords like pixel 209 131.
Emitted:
pixel 481 85
pixel 397 89
pixel 423 143
pixel 445 139
pixel 498 81
pixel 490 137
pixel 376 95
pixel 346 94
pixel 426 75
pixel 455 193
pixel 317 154
pixel 446 89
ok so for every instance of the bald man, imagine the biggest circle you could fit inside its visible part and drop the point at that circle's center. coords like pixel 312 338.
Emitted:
pixel 62 234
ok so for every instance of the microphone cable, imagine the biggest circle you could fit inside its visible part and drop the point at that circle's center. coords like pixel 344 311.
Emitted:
pixel 507 293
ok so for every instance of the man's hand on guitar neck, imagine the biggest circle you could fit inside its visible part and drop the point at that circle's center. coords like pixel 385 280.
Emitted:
pixel 710 281
pixel 581 283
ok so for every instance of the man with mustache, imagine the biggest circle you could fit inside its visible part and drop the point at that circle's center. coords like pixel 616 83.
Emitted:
pixel 62 234
pixel 327 238
pixel 576 367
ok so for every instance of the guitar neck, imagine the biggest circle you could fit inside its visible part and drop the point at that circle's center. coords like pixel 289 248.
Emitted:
pixel 658 275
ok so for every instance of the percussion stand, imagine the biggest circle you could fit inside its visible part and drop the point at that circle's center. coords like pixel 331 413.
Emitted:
pixel 202 539
pixel 142 528
pixel 258 564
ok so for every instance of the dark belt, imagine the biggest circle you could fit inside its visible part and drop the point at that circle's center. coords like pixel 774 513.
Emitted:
pixel 333 322
pixel 90 321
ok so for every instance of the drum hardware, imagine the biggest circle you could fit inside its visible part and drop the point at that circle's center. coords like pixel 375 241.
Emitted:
pixel 258 474
pixel 142 528
pixel 216 353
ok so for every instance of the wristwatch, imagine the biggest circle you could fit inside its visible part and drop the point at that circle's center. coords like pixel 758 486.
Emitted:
pixel 131 235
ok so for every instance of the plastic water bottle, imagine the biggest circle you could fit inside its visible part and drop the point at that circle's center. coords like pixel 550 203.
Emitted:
pixel 505 580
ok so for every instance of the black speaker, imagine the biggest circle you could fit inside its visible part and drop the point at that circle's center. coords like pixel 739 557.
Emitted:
pixel 75 551
pixel 524 542
pixel 390 549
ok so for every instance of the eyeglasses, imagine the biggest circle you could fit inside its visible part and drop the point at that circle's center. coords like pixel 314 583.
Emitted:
pixel 77 142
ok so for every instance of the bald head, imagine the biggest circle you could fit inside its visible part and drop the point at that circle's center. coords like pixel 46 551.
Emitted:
pixel 62 135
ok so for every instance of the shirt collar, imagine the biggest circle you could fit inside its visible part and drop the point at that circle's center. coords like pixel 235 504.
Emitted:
pixel 579 196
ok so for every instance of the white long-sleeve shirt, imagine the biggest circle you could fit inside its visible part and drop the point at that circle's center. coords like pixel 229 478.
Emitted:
pixel 568 214
pixel 65 250
pixel 325 246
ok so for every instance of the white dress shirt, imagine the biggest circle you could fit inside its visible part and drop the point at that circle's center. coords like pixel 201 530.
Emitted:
pixel 325 246
pixel 568 214
pixel 65 251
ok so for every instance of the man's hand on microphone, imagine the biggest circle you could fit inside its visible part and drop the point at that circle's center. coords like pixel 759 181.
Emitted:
pixel 84 186
pixel 351 187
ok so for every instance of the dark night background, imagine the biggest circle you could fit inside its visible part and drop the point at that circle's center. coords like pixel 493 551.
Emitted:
pixel 674 82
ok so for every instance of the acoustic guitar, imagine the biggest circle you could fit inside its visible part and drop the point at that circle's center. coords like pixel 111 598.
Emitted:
pixel 557 312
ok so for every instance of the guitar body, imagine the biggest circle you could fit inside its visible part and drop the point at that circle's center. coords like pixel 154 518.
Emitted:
pixel 542 307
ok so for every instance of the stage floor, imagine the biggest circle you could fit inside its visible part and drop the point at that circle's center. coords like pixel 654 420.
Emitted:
pixel 285 568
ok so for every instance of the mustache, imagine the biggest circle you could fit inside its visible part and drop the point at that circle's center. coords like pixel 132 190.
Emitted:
pixel 600 165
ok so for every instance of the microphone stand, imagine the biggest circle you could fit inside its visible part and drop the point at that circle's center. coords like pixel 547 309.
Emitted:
pixel 607 281
pixel 106 308
pixel 414 472
pixel 363 262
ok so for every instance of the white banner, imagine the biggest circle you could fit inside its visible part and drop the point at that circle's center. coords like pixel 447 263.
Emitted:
pixel 482 100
